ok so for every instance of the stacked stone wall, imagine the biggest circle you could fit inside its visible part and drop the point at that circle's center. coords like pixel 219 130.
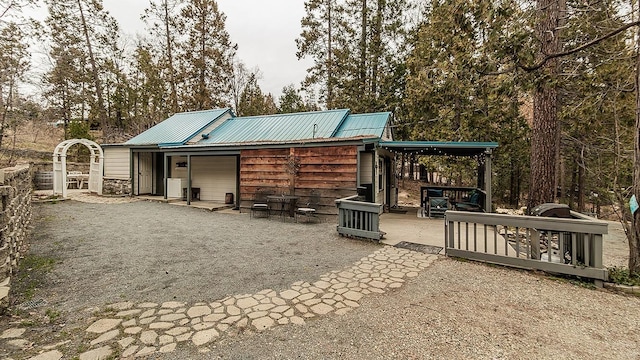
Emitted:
pixel 15 217
pixel 116 187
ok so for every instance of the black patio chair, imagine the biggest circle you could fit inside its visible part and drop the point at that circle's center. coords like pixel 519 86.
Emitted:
pixel 309 210
pixel 260 203
pixel 472 205
pixel 437 206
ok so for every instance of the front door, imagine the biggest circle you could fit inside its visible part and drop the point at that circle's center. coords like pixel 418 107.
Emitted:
pixel 145 173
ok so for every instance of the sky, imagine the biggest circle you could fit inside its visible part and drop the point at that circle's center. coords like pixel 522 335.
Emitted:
pixel 265 31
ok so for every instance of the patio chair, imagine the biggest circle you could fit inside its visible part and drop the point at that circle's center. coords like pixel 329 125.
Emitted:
pixel 309 210
pixel 431 193
pixel 437 206
pixel 472 205
pixel 260 203
pixel 73 179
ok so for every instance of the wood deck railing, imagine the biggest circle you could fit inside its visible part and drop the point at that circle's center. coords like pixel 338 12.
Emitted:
pixel 357 218
pixel 565 246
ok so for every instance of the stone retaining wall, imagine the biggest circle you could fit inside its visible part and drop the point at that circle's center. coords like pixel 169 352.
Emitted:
pixel 15 216
pixel 116 186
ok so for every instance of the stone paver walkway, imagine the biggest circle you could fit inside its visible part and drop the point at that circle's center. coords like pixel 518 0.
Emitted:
pixel 133 330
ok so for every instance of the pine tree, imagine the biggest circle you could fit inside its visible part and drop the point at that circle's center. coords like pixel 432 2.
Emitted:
pixel 164 23
pixel 252 101
pixel 207 56
pixel 291 101
pixel 359 49
pixel 14 62
pixel 86 30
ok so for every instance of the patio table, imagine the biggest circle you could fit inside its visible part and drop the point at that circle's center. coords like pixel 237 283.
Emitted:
pixel 78 179
pixel 283 204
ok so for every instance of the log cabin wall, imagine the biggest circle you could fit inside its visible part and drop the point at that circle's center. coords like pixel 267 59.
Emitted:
pixel 331 170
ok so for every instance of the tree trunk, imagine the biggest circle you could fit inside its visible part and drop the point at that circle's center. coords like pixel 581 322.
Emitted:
pixel 376 50
pixel 580 194
pixel 96 77
pixel 411 167
pixel 634 236
pixel 545 109
pixel 329 58
pixel 172 75
pixel 362 92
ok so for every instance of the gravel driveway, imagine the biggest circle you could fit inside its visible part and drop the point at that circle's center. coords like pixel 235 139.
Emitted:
pixel 145 251
pixel 150 252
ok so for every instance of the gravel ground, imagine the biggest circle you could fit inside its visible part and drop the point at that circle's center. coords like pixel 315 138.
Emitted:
pixel 462 310
pixel 144 251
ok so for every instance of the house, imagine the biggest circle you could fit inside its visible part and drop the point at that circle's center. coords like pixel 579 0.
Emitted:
pixel 213 155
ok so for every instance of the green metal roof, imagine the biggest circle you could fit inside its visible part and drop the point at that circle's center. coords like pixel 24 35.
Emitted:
pixel 363 124
pixel 439 147
pixel 178 129
pixel 279 127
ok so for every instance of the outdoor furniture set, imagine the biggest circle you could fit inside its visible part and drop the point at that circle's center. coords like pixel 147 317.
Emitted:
pixel 77 179
pixel 437 199
pixel 267 203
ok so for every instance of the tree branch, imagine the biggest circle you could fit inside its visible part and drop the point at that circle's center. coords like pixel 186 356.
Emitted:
pixel 586 45
pixel 542 62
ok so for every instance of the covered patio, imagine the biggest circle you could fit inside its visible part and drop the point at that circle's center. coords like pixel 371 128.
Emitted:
pixel 480 151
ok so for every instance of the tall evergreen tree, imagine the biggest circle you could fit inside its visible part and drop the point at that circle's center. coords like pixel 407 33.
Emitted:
pixel 319 27
pixel 359 49
pixel 164 21
pixel 252 100
pixel 86 29
pixel 291 101
pixel 148 90
pixel 14 62
pixel 207 56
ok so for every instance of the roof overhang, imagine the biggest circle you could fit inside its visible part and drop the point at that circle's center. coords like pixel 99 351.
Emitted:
pixel 439 147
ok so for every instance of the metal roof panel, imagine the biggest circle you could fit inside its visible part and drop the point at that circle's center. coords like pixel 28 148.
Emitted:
pixel 278 127
pixel 178 129
pixel 364 124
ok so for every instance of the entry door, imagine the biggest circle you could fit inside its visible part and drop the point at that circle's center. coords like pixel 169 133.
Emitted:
pixel 145 173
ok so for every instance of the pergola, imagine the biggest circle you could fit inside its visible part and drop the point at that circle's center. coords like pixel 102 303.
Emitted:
pixel 60 166
pixel 480 150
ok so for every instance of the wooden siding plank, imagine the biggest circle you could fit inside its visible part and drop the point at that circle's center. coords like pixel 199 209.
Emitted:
pixel 116 163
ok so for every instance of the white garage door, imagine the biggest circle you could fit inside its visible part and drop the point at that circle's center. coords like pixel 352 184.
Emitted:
pixel 215 176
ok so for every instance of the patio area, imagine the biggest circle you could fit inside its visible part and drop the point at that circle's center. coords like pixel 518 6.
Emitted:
pixel 409 227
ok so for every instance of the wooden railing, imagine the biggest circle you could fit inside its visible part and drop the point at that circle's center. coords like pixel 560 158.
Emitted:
pixel 360 219
pixel 565 246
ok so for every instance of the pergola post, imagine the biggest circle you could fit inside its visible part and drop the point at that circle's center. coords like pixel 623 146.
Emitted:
pixel 188 179
pixel 487 180
pixel 166 176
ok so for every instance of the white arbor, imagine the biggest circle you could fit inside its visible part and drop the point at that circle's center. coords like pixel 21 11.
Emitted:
pixel 60 166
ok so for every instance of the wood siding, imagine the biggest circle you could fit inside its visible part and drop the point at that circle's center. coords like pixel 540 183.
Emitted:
pixel 331 170
pixel 116 163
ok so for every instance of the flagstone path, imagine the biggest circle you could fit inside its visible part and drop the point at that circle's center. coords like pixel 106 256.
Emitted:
pixel 134 330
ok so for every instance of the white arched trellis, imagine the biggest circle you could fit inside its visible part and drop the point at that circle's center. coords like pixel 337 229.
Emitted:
pixel 60 166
